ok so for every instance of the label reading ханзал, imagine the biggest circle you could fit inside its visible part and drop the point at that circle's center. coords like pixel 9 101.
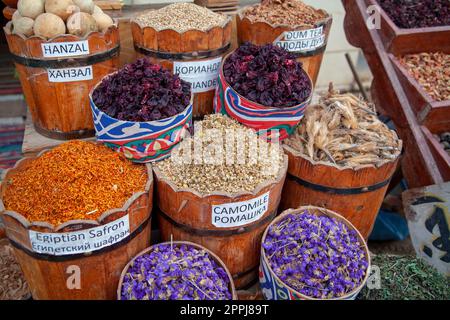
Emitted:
pixel 93 239
pixel 301 40
pixel 201 74
pixel 65 49
pixel 70 74
pixel 240 213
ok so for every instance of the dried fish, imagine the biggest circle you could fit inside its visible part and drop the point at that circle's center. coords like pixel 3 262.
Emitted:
pixel 344 130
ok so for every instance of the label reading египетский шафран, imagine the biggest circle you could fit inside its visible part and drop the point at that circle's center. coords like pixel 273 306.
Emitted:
pixel 65 49
pixel 301 40
pixel 93 239
pixel 201 74
pixel 240 213
pixel 70 74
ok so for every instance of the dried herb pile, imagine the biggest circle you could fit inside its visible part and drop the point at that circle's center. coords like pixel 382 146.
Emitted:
pixel 317 256
pixel 142 91
pixel 407 278
pixel 418 13
pixel 178 272
pixel 284 12
pixel 444 140
pixel 344 130
pixel 12 283
pixel 432 71
pixel 268 75
pixel 182 17
pixel 76 180
pixel 232 169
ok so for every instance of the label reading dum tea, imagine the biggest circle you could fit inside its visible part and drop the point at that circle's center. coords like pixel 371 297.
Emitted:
pixel 301 40
pixel 240 213
pixel 70 74
pixel 201 74
pixel 93 239
pixel 65 49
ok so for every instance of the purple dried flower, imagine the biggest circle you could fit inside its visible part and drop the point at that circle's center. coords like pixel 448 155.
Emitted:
pixel 178 272
pixel 268 75
pixel 316 255
pixel 142 91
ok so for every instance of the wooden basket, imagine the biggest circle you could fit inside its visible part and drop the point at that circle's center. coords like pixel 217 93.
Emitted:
pixel 180 51
pixel 188 215
pixel 355 193
pixel 176 243
pixel 50 274
pixel 261 33
pixel 272 286
pixel 440 155
pixel 56 88
pixel 399 40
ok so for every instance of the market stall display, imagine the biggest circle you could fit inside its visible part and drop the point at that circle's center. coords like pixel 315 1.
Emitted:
pixel 142 111
pixel 99 232
pixel 264 88
pixel 59 65
pixel 290 24
pixel 190 41
pixel 176 271
pixel 313 253
pixel 341 157
pixel 221 203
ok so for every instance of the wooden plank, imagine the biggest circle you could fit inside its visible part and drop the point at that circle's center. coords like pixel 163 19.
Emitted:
pixel 109 4
pixel 428 213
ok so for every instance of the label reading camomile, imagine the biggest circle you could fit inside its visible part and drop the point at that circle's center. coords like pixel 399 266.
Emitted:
pixel 201 74
pixel 240 213
pixel 93 239
pixel 301 40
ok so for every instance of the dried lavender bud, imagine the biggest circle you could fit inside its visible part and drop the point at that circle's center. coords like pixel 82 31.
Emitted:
pixel 268 75
pixel 177 272
pixel 417 14
pixel 316 255
pixel 142 91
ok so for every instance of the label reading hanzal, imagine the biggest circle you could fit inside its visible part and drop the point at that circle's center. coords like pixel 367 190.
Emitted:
pixel 301 40
pixel 240 213
pixel 201 74
pixel 93 239
pixel 70 74
pixel 65 49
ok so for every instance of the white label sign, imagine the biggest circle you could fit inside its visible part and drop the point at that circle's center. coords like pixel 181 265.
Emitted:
pixel 240 213
pixel 65 49
pixel 70 74
pixel 93 239
pixel 201 74
pixel 301 40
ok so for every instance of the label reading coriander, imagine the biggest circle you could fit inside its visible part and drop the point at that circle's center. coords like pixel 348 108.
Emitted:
pixel 240 213
pixel 301 40
pixel 65 49
pixel 201 74
pixel 70 74
pixel 93 239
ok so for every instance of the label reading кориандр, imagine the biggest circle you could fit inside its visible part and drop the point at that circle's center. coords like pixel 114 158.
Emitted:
pixel 301 40
pixel 201 74
pixel 240 213
pixel 93 239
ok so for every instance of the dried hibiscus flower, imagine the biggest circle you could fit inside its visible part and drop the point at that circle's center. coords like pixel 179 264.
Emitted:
pixel 268 75
pixel 142 91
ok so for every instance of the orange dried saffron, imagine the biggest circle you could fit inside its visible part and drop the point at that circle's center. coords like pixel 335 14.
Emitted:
pixel 75 181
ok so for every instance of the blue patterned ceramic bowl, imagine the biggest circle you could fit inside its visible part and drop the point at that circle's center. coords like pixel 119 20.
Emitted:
pixel 271 285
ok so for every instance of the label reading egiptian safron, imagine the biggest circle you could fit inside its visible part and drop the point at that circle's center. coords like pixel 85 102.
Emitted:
pixel 68 243
pixel 241 213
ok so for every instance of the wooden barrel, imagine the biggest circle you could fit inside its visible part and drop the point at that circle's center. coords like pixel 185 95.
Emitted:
pixel 187 215
pixel 179 243
pixel 307 43
pixel 57 76
pixel 80 259
pixel 355 194
pixel 194 55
